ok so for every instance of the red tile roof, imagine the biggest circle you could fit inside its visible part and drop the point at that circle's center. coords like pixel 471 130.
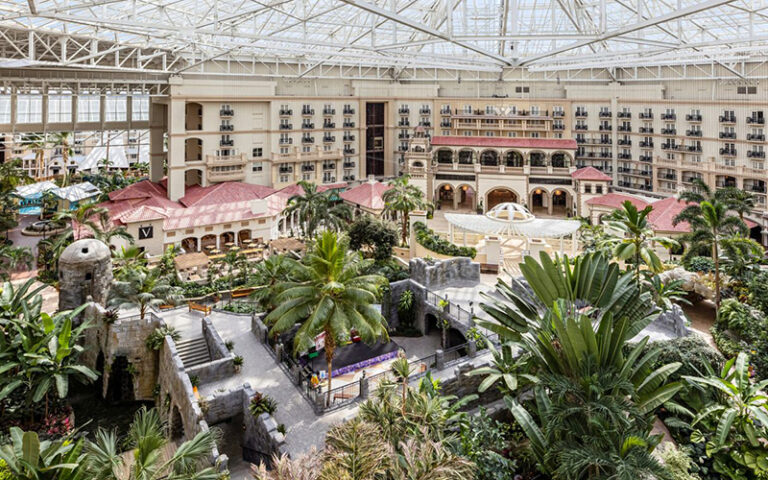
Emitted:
pixel 226 192
pixel 143 214
pixel 615 200
pixel 142 189
pixel 590 173
pixel 367 195
pixel 663 213
pixel 295 189
pixel 548 143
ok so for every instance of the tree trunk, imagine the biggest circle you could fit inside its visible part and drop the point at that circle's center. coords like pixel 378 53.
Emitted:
pixel 405 391
pixel 330 346
pixel 717 276
pixel 405 229
pixel 142 311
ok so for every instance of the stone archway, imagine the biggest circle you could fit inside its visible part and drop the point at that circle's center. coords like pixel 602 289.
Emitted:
pixel 513 159
pixel 489 158
pixel 444 196
pixel 539 201
pixel 208 241
pixel 193 149
pixel 500 195
pixel 466 198
pixel 560 203
pixel 466 157
pixel 243 235
pixel 537 159
pixel 560 160
pixel 190 244
pixel 444 156
pixel 193 176
pixel 176 425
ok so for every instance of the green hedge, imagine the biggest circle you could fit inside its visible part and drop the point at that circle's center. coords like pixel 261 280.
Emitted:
pixel 429 240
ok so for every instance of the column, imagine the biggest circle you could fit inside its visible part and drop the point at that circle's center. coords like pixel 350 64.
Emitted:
pixel 456 197
pixel 573 244
pixel 199 243
pixel 218 242
pixel 549 202
pixel 156 153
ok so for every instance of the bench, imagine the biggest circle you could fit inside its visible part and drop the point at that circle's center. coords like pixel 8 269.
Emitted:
pixel 166 306
pixel 242 292
pixel 199 308
pixel 488 268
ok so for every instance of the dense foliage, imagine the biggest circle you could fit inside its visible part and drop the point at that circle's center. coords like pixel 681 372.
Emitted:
pixel 374 237
pixel 428 239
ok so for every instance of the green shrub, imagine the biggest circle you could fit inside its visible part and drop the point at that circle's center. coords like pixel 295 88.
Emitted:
pixel 240 307
pixel 678 463
pixel 155 339
pixel 692 351
pixel 262 403
pixel 5 472
pixel 700 264
pixel 373 236
pixel 758 293
pixel 428 239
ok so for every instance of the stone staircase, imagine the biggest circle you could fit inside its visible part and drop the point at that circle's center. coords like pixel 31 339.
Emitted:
pixel 193 351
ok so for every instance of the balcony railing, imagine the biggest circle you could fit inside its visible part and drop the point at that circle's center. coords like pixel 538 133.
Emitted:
pixel 349 138
pixel 646 115
pixel 669 116
pixel 727 118
pixel 668 131
pixel 308 140
pixel 226 128
pixel 227 143
pixel 731 152
pixel 605 114
pixel 645 144
pixel 755 154
pixel 581 114
pixel 307 111
pixel 329 111
pixel 728 135
pixel 404 111
pixel 755 120
pixel 286 126
pixel 329 139
pixel 756 137
pixel 349 111
pixel 693 117
pixel 226 112
pixel 425 111
pixel 580 127
pixel 693 133
pixel 624 115
pixel 286 141
pixel 286 112
pixel 308 126
pixel 349 124
pixel 645 130
pixel 624 128
pixel 329 125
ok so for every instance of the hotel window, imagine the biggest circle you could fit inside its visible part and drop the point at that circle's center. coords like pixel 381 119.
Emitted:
pixel 535 134
pixel 758 165
pixel 29 109
pixel 511 134
pixel 5 109
pixel 116 108
pixel 605 109
pixel 445 133
pixel 59 108
pixel 283 150
pixel 522 89
pixel 283 178
pixel 489 110
pixel 557 109
pixel 729 162
pixel 88 108
pixel 534 110
pixel 467 133
pixel 489 134
pixel 306 148
pixel 258 152
pixel 257 167
pixel 140 108
pixel 326 148
pixel 285 121
pixel 598 189
pixel 588 188
pixel 467 108
pixel 306 176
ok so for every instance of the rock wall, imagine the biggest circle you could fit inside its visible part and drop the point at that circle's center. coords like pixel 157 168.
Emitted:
pixel 222 364
pixel 176 390
pixel 85 270
pixel 261 433
pixel 455 272
pixel 391 313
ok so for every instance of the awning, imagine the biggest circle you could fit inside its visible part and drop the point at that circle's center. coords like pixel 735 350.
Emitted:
pixel 536 228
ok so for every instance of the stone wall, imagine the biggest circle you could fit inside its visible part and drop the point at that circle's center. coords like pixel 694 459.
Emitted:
pixel 396 289
pixel 455 272
pixel 261 433
pixel 85 270
pixel 176 390
pixel 222 364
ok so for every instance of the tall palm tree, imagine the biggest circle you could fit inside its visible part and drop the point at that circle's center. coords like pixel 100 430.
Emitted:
pixel 738 200
pixel 38 142
pixel 329 295
pixel 316 209
pixel 637 238
pixel 710 225
pixel 141 289
pixel 269 274
pixel 403 198
pixel 62 140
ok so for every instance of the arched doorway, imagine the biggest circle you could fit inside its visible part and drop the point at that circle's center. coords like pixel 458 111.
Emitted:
pixel 467 198
pixel 560 203
pixel 466 157
pixel 513 159
pixel 431 325
pixel 176 425
pixel 559 160
pixel 445 196
pixel 242 236
pixel 500 195
pixel 193 149
pixel 193 119
pixel 190 244
pixel 208 242
pixel 120 385
pixel 539 201
pixel 444 156
pixel 489 158
pixel 193 177
pixel 227 240
pixel 538 159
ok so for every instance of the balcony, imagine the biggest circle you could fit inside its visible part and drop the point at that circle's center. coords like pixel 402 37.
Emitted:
pixel 694 148
pixel 727 118
pixel 307 111
pixel 349 178
pixel 307 168
pixel 226 143
pixel 349 138
pixel 286 141
pixel 756 137
pixel 728 152
pixel 668 131
pixel 625 156
pixel 349 151
pixel 348 111
pixel 645 158
pixel 445 111
pixel 425 111
pixel 669 116
pixel 581 114
pixel 286 126
pixel 558 126
pixel 606 128
pixel 604 114
pixel 445 124
pixel 403 123
pixel 645 130
pixel 728 135
pixel 404 110
pixel 285 170
pixel 646 144
pixel 693 133
pixel 349 164
pixel 286 112
pixel 349 124
pixel 755 121
pixel 624 115
pixel 329 166
pixel 403 136
pixel 668 146
pixel 755 154
pixel 402 148
pixel 227 174
pixel 693 117
pixel 226 112
pixel 329 111
pixel 646 115
pixel 329 139
pixel 425 124
pixel 580 127
pixel 624 142
pixel 624 128
pixel 329 125
pixel 308 126
pixel 558 113
pixel 226 128
pixel 307 139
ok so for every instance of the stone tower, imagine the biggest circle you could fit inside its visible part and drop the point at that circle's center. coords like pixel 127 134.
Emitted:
pixel 85 270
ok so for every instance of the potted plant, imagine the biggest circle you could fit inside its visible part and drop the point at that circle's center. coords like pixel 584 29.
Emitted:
pixel 238 363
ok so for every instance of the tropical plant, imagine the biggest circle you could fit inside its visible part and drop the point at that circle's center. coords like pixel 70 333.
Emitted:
pixel 741 256
pixel 269 274
pixel 710 225
pixel 402 370
pixel 328 295
pixel 401 199
pixel 739 417
pixel 372 235
pixel 232 261
pixel 636 239
pixel 91 220
pixel 316 209
pixel 262 403
pixel 13 258
pixel 127 259
pixel 665 295
pixel 506 371
pixel 738 200
pixel 62 140
pixel 157 337
pixel 28 457
pixel 37 142
pixel 142 289
pixel 428 239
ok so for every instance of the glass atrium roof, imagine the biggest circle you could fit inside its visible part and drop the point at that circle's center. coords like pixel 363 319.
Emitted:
pixel 481 35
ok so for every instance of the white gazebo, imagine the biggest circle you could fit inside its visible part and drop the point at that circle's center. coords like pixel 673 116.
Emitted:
pixel 512 220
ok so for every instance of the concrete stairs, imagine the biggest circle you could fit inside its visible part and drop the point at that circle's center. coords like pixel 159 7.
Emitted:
pixel 193 351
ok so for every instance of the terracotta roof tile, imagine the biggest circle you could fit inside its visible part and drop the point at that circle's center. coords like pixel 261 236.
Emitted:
pixel 615 200
pixel 590 173
pixel 367 195
pixel 222 193
pixel 549 143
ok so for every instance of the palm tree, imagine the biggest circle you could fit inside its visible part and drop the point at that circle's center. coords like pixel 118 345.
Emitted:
pixel 269 274
pixel 38 142
pixel 403 198
pixel 738 200
pixel 402 369
pixel 710 225
pixel 11 258
pixel 331 296
pixel 636 238
pixel 89 219
pixel 61 140
pixel 141 289
pixel 128 259
pixel 316 209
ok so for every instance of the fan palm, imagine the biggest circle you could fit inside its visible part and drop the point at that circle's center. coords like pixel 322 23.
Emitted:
pixel 315 209
pixel 636 238
pixel 741 256
pixel 142 289
pixel 147 441
pixel 402 198
pixel 738 200
pixel 331 296
pixel 710 225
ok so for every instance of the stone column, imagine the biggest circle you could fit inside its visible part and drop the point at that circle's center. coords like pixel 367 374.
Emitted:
pixel 439 359
pixel 549 203
pixel 365 387
pixel 416 216
pixel 493 250
pixel 471 348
